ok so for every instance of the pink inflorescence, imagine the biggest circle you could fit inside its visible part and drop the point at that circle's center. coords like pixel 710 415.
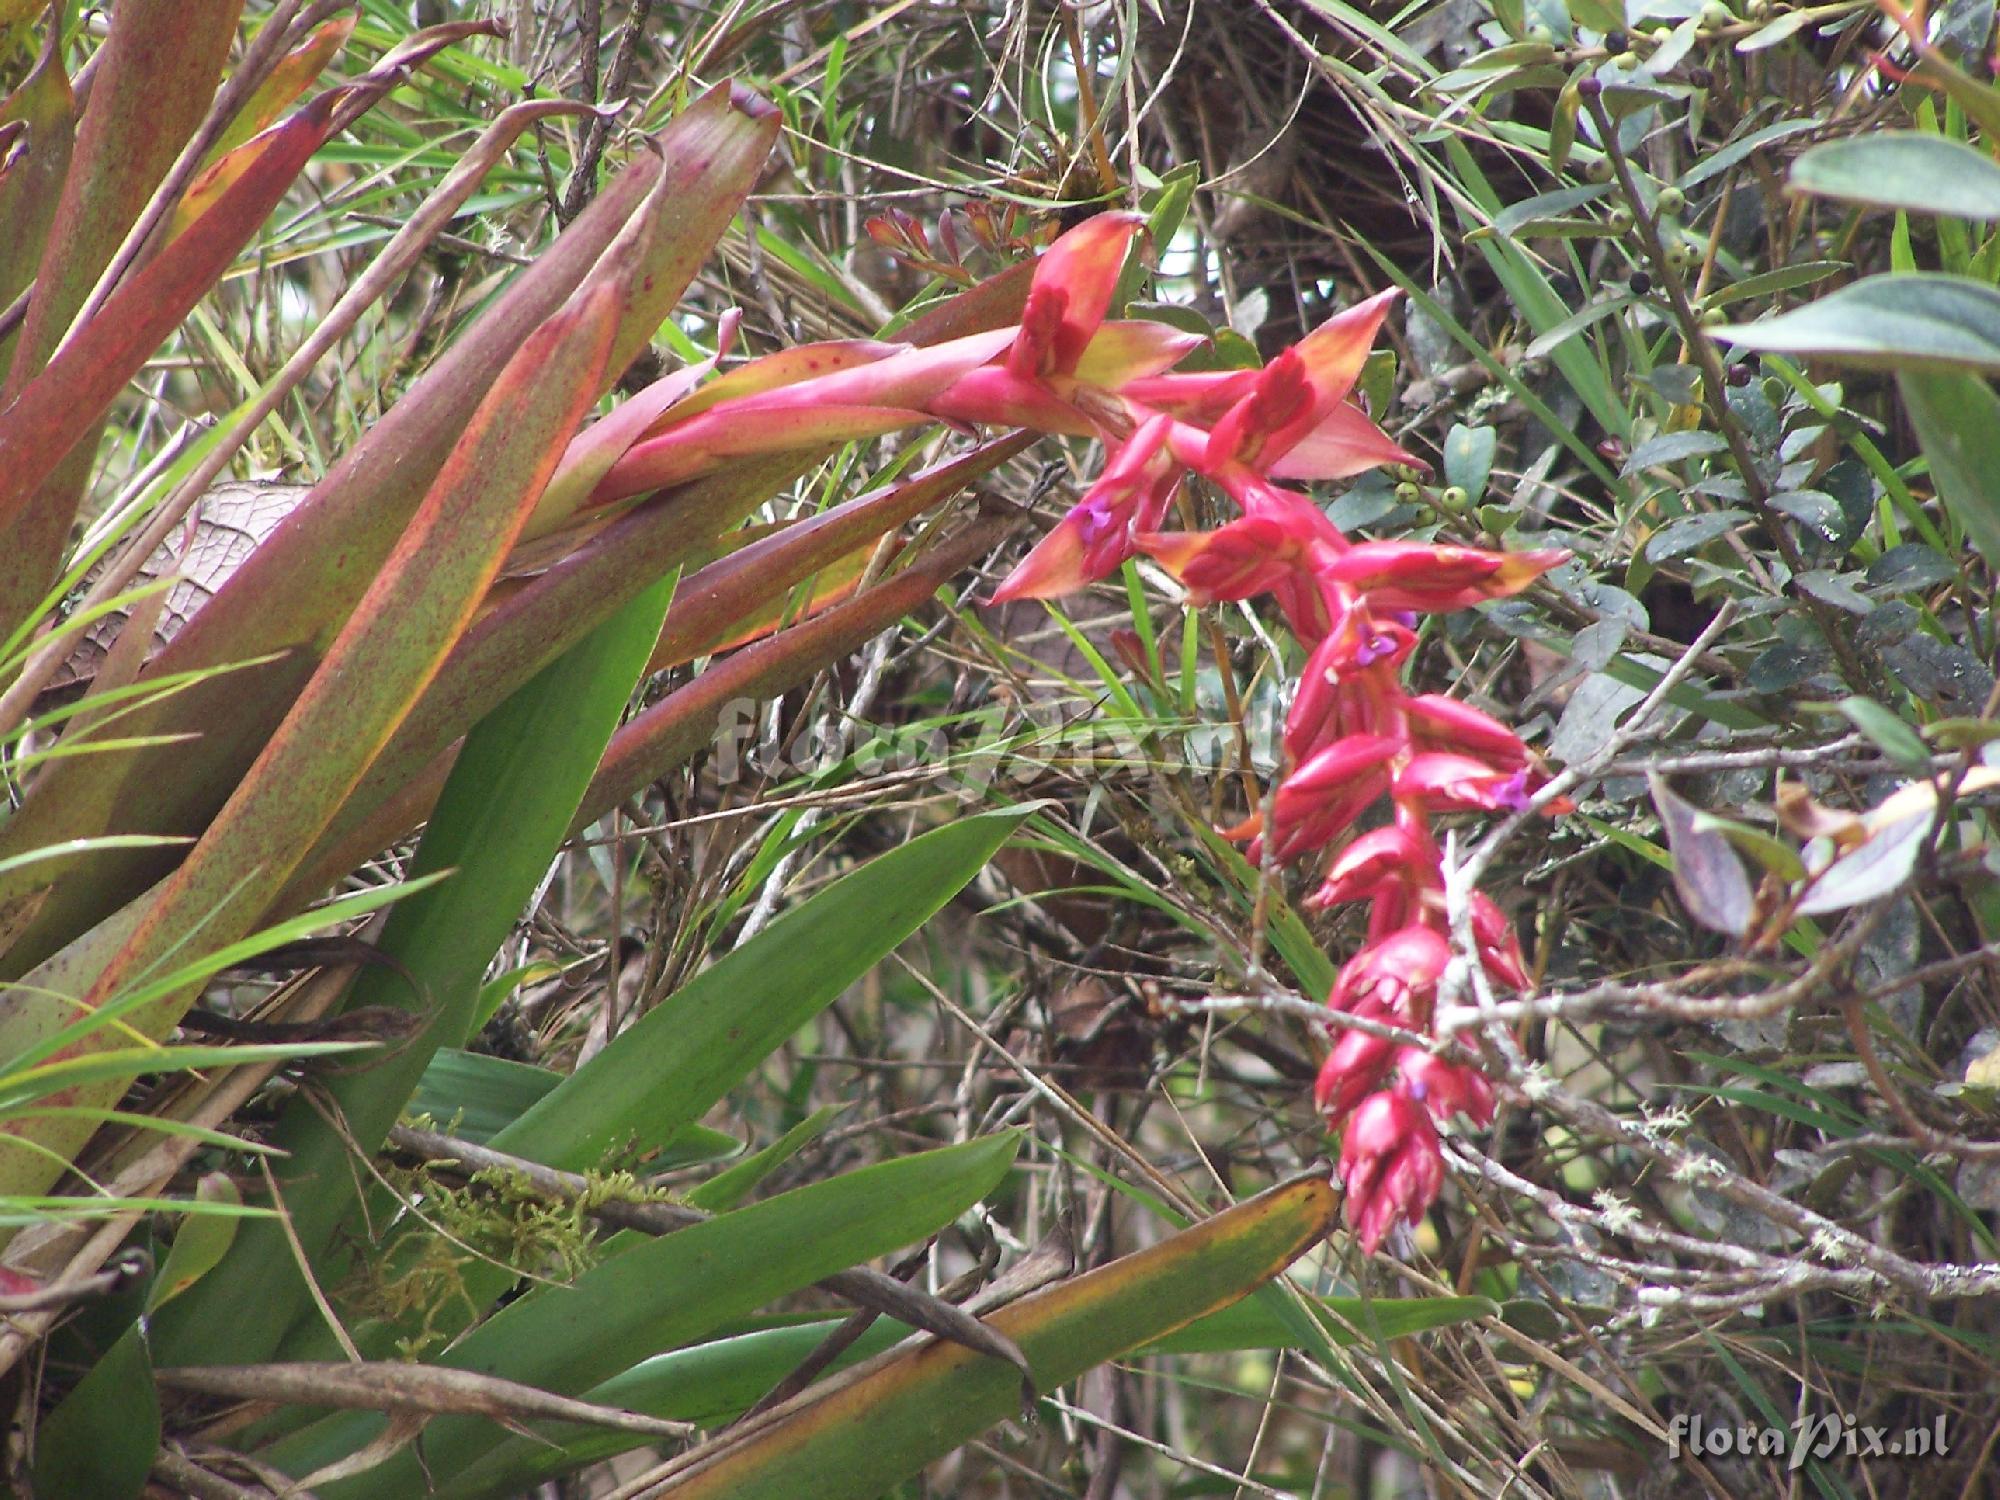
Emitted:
pixel 1354 734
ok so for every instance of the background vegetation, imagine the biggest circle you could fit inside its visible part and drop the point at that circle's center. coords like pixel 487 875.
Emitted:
pixel 1705 295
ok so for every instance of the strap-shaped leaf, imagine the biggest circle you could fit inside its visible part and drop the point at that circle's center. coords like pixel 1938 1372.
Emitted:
pixel 662 1293
pixel 416 607
pixel 862 1438
pixel 295 592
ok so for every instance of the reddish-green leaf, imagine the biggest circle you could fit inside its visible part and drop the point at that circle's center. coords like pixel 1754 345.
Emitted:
pixel 717 605
pixel 418 604
pixel 151 84
pixel 296 590
pixel 293 75
pixel 43 108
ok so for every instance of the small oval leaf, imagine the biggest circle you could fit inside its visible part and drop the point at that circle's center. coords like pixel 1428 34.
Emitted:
pixel 1707 873
pixel 1906 169
pixel 1910 319
pixel 1875 868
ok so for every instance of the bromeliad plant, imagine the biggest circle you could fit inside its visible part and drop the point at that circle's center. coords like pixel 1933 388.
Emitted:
pixel 444 632
pixel 1353 733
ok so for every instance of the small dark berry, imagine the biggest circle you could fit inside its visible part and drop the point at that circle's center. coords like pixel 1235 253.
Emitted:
pixel 1616 41
pixel 1641 283
pixel 1589 88
pixel 1740 375
pixel 1700 78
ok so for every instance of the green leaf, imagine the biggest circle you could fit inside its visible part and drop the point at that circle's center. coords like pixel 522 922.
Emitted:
pixel 476 1096
pixel 1288 932
pixel 101 1441
pixel 1917 319
pixel 1906 169
pixel 663 1072
pixel 1254 1323
pixel 21 1088
pixel 1512 219
pixel 201 1241
pixel 1468 457
pixel 1689 533
pixel 1777 31
pixel 1528 290
pixel 727 1189
pixel 1672 448
pixel 1891 735
pixel 1589 314
pixel 33 1012
pixel 1957 418
pixel 1805 273
pixel 1737 150
pixel 1170 202
pixel 671 1290
pixel 855 1442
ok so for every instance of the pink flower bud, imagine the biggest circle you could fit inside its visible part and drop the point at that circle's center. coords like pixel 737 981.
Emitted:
pixel 1499 947
pixel 1354 1068
pixel 1323 797
pixel 1445 783
pixel 1390 1164
pixel 1247 557
pixel 1441 723
pixel 1420 575
pixel 1339 693
pixel 1384 857
pixel 1444 1088
pixel 1400 972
